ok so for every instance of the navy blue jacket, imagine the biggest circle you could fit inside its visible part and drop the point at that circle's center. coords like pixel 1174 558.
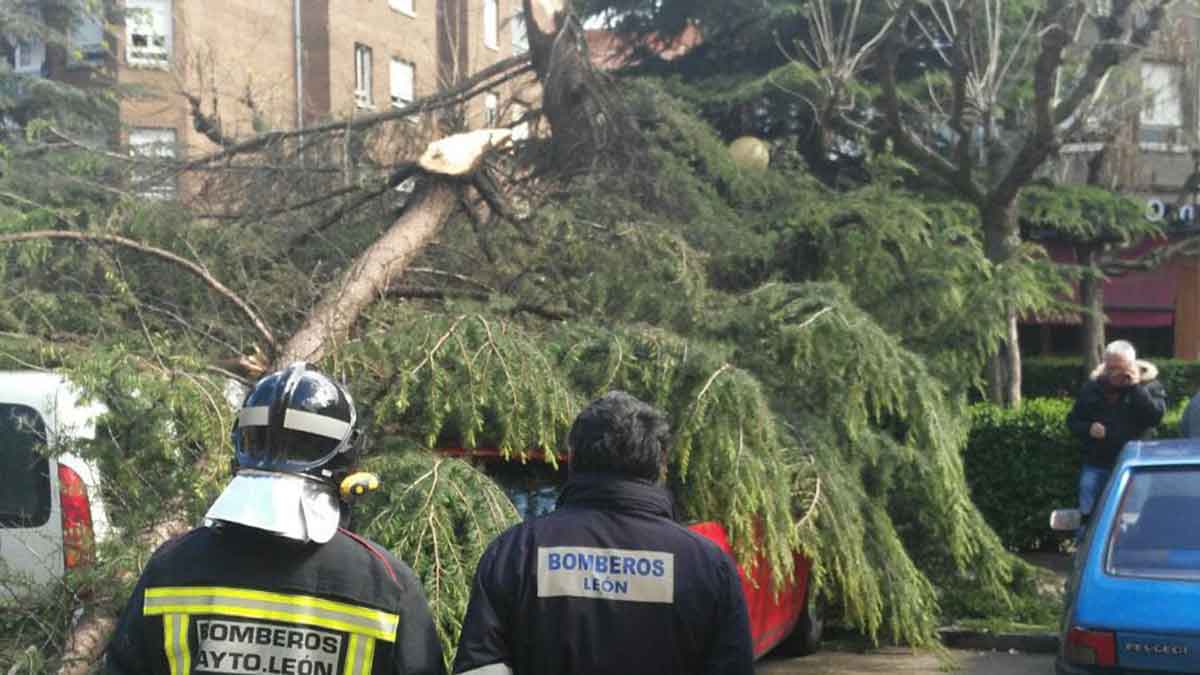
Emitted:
pixel 1130 416
pixel 608 583
pixel 234 600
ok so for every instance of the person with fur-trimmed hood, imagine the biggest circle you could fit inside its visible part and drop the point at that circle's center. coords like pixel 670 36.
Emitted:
pixel 1120 402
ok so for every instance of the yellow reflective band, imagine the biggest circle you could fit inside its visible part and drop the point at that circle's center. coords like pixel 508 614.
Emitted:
pixel 169 642
pixel 175 644
pixel 360 655
pixel 183 645
pixel 298 609
pixel 368 657
pixel 351 657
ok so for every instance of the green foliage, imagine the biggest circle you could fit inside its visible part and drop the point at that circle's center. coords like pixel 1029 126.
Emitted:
pixel 1087 213
pixel 163 447
pixel 729 461
pixel 1021 465
pixel 1035 606
pixel 467 381
pixel 438 515
pixel 886 435
pixel 1063 376
pixel 811 347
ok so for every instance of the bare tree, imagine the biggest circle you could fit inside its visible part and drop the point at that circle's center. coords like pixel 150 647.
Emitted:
pixel 969 36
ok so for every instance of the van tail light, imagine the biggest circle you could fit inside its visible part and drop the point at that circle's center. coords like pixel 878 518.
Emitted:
pixel 78 539
pixel 1091 647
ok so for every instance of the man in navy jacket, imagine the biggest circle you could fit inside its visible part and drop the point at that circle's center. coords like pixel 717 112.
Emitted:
pixel 609 582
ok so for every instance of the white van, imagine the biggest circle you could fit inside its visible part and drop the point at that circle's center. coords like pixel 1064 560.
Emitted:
pixel 51 513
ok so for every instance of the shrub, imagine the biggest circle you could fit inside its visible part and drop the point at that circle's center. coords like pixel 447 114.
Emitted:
pixel 1022 464
pixel 1059 376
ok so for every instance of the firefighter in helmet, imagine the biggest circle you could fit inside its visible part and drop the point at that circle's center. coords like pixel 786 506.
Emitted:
pixel 271 583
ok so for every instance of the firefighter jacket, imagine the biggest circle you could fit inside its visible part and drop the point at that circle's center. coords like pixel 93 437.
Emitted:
pixel 238 601
pixel 607 583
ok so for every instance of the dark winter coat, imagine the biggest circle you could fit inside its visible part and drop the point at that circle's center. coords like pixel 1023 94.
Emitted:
pixel 236 600
pixel 606 584
pixel 1134 412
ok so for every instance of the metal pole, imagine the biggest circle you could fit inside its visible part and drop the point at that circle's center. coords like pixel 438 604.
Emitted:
pixel 299 64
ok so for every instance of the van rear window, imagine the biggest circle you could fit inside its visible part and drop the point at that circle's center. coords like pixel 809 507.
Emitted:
pixel 1157 532
pixel 24 470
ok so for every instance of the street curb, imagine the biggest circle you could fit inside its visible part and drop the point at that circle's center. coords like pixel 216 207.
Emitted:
pixel 1032 643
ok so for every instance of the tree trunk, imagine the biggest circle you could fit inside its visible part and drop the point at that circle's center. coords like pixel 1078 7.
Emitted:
pixel 1002 240
pixel 330 322
pixel 1091 291
pixel 581 106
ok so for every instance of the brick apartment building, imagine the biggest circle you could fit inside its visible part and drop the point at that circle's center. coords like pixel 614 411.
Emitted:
pixel 1157 151
pixel 278 64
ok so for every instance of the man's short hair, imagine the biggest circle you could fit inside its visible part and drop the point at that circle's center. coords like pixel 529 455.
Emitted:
pixel 1121 348
pixel 618 434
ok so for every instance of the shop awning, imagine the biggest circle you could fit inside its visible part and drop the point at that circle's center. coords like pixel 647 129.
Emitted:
pixel 1135 299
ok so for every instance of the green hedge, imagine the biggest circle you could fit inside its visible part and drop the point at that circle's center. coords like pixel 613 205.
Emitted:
pixel 1022 464
pixel 1062 376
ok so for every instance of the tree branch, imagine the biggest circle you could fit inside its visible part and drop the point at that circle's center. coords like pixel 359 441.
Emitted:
pixel 1112 49
pixel 398 176
pixel 430 293
pixel 488 78
pixel 1042 141
pixel 288 208
pixel 372 272
pixel 903 140
pixel 196 270
pixel 959 72
pixel 1112 265
pixel 209 126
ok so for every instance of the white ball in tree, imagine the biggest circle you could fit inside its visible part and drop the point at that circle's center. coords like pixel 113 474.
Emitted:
pixel 750 153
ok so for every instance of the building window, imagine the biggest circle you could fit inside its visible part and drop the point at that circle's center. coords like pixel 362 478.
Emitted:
pixel 87 39
pixel 148 32
pixel 362 76
pixel 520 34
pixel 491 24
pixel 491 111
pixel 404 83
pixel 1162 112
pixel 29 56
pixel 404 6
pixel 152 176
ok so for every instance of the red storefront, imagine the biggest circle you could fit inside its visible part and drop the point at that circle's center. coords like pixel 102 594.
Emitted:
pixel 1158 310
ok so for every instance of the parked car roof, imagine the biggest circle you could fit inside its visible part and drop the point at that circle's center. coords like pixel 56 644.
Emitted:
pixel 1166 452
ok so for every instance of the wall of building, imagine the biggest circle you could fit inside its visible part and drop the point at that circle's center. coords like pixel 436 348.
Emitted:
pixel 1152 163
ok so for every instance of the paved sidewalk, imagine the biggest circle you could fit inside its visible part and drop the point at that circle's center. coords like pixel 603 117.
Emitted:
pixel 900 661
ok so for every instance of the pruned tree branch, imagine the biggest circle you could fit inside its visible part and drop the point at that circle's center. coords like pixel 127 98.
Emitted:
pixel 1039 144
pixel 1113 49
pixel 1115 46
pixel 208 125
pixel 905 143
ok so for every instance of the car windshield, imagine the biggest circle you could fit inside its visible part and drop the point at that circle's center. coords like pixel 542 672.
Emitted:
pixel 24 472
pixel 1157 532
pixel 532 487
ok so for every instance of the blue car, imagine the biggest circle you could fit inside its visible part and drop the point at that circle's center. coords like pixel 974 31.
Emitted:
pixel 1133 601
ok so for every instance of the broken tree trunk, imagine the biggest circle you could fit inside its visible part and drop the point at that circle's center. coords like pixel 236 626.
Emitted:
pixel 582 107
pixel 445 161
